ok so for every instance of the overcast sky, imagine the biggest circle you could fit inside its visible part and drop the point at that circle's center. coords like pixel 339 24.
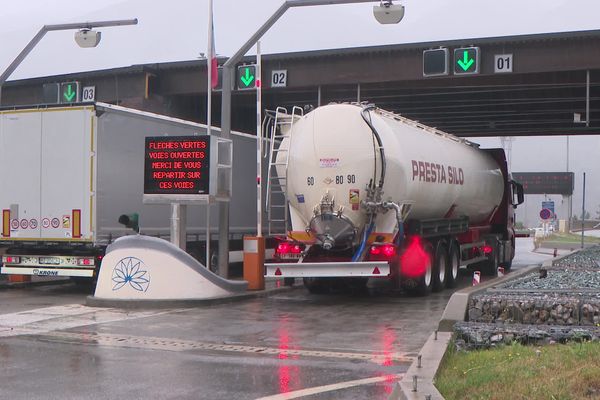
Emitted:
pixel 176 30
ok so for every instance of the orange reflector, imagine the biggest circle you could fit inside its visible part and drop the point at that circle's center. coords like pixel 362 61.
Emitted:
pixel 76 230
pixel 376 271
pixel 277 272
pixel 6 223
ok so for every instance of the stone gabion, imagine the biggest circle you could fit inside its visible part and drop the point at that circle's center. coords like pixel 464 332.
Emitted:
pixel 470 335
pixel 525 309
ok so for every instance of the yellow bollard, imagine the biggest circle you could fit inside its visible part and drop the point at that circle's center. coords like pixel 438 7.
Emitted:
pixel 254 262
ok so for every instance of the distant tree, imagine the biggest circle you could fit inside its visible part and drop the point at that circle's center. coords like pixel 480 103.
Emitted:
pixel 519 225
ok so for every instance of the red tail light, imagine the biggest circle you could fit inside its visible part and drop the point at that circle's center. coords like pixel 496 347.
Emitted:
pixel 382 251
pixel 487 249
pixel 11 260
pixel 289 248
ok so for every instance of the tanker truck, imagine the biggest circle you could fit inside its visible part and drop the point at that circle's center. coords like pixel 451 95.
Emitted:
pixel 369 193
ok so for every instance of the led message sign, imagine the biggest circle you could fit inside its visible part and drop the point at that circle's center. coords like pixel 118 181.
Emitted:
pixel 545 182
pixel 176 165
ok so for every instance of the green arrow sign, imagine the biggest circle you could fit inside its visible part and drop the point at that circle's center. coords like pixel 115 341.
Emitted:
pixel 466 62
pixel 246 77
pixel 69 94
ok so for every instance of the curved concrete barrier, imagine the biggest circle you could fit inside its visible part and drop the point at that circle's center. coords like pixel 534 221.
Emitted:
pixel 140 267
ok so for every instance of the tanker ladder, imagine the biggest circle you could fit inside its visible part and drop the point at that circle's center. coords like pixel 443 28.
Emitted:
pixel 279 125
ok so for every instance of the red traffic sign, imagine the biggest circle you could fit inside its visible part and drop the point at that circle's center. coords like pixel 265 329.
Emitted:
pixel 546 214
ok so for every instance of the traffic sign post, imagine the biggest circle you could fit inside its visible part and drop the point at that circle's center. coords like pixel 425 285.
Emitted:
pixel 69 92
pixel 246 77
pixel 466 61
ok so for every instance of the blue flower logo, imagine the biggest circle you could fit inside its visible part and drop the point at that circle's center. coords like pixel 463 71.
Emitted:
pixel 131 270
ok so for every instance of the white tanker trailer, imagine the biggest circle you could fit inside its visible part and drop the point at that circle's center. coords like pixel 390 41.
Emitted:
pixel 373 194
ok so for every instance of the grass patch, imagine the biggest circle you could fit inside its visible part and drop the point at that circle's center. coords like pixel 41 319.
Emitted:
pixel 554 372
pixel 570 238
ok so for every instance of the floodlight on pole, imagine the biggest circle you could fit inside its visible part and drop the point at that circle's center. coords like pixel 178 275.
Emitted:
pixel 82 26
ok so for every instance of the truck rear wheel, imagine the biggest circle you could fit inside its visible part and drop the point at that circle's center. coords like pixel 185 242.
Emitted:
pixel 453 265
pixel 440 264
pixel 423 285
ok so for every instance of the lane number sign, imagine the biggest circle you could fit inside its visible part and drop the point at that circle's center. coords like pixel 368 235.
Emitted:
pixel 88 93
pixel 279 78
pixel 503 63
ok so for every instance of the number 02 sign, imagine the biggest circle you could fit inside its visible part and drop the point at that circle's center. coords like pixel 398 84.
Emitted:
pixel 279 78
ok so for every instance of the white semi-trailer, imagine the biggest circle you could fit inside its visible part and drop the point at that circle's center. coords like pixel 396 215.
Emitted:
pixel 68 173
pixel 374 194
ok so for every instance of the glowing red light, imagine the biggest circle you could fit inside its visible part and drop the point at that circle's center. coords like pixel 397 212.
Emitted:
pixel 487 249
pixel 296 249
pixel 414 260
pixel 283 248
pixel 375 250
pixel 389 250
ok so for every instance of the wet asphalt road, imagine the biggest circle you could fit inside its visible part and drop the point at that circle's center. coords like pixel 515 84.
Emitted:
pixel 337 346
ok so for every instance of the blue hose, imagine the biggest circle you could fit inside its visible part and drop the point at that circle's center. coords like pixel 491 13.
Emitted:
pixel 363 244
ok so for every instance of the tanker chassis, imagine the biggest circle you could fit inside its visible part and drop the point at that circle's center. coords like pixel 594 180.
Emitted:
pixel 69 174
pixel 374 194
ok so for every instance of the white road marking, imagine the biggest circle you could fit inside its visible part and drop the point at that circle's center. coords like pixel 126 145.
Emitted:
pixel 330 388
pixel 42 320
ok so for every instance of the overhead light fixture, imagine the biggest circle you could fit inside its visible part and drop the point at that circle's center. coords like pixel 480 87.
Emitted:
pixel 388 13
pixel 87 38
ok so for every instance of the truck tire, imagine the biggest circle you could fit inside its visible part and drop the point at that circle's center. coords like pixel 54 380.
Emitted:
pixel 423 285
pixel 453 265
pixel 440 265
pixel 490 267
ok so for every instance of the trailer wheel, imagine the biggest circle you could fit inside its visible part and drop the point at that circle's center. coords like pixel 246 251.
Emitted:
pixel 453 265
pixel 423 285
pixel 490 267
pixel 440 265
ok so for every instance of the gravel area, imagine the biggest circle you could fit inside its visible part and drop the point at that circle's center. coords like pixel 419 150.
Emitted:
pixel 557 279
pixel 588 258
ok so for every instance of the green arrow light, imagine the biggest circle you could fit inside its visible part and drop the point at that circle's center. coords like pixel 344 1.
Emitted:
pixel 466 62
pixel 69 94
pixel 247 78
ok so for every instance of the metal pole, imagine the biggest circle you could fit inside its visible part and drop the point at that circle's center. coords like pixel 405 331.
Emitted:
pixel 178 219
pixel 207 236
pixel 319 96
pixel 209 54
pixel 583 212
pixel 58 27
pixel 258 141
pixel 226 105
pixel 587 98
pixel 358 93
